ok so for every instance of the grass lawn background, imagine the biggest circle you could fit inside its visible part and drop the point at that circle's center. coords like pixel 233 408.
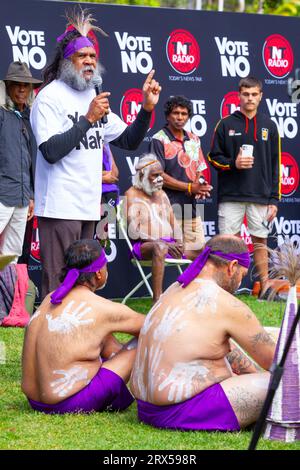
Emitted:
pixel 22 428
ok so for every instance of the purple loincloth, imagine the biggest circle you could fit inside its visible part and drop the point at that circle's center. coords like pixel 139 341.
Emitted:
pixel 136 249
pixel 105 392
pixel 210 410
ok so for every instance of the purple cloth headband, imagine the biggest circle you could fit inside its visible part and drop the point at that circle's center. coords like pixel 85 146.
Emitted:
pixel 73 275
pixel 196 267
pixel 75 45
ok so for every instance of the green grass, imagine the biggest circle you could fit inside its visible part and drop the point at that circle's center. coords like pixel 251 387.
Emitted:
pixel 22 428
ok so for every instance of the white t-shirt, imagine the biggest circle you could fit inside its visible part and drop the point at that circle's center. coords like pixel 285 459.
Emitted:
pixel 70 188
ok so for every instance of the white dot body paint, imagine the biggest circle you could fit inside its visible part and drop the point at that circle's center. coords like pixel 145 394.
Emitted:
pixel 181 379
pixel 204 298
pixel 69 319
pixel 70 377
pixel 34 316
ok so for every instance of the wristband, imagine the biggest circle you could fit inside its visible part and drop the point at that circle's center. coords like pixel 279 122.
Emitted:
pixel 190 188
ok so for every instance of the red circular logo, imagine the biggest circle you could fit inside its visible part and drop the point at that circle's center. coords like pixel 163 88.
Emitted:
pixel 183 51
pixel 131 103
pixel 230 103
pixel 289 174
pixel 278 56
pixel 35 241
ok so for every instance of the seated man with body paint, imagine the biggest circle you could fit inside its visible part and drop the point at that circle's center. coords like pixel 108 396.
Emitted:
pixel 71 360
pixel 151 222
pixel 188 374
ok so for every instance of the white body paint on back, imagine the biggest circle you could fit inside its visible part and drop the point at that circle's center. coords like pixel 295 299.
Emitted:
pixel 34 316
pixel 148 320
pixel 155 355
pixel 181 379
pixel 139 373
pixel 70 377
pixel 167 323
pixel 69 319
pixel 204 298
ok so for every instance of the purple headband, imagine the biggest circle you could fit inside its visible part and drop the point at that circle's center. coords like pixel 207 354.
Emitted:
pixel 73 275
pixel 75 45
pixel 196 267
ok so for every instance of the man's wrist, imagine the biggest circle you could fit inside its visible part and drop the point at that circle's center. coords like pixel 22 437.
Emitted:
pixel 148 107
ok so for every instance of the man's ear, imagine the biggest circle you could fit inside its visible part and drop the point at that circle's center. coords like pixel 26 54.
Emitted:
pixel 232 267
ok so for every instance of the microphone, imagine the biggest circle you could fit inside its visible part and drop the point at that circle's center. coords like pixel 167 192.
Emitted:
pixel 97 81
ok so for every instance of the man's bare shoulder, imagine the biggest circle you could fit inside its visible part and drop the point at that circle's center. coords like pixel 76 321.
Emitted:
pixel 235 307
pixel 133 193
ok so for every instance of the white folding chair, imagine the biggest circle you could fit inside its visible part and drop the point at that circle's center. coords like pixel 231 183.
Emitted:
pixel 143 264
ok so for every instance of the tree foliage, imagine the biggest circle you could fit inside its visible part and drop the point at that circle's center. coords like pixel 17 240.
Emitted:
pixel 275 7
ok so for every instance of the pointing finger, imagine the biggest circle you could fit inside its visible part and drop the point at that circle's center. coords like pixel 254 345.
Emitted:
pixel 150 76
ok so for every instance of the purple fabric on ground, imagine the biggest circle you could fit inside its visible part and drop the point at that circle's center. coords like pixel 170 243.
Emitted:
pixel 210 410
pixel 106 392
pixel 136 249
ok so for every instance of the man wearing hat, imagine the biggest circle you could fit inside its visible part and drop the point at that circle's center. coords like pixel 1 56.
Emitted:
pixel 71 361
pixel 71 124
pixel 17 153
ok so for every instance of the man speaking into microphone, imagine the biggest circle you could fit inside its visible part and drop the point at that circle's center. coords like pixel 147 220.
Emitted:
pixel 66 120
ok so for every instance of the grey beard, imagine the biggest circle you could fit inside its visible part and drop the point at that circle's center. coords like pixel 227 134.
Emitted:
pixel 75 79
pixel 149 188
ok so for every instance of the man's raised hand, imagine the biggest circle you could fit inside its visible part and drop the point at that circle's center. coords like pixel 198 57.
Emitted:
pixel 151 91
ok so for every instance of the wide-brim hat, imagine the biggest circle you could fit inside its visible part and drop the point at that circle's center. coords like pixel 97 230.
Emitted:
pixel 19 72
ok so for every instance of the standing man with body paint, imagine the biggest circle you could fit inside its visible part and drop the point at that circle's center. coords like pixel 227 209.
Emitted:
pixel 248 181
pixel 187 373
pixel 67 122
pixel 70 336
pixel 151 222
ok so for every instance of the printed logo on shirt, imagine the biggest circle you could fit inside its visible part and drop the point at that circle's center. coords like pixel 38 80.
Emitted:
pixel 93 139
pixel 230 103
pixel 278 56
pixel 233 55
pixel 135 53
pixel 131 104
pixel 27 46
pixel 264 133
pixel 233 133
pixel 289 174
pixel 183 51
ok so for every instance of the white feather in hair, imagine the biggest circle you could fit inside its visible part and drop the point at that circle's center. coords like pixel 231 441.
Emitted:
pixel 83 21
